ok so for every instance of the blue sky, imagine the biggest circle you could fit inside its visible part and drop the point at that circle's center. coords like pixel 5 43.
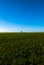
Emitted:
pixel 25 15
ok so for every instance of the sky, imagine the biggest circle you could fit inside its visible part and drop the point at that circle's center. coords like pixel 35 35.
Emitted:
pixel 25 15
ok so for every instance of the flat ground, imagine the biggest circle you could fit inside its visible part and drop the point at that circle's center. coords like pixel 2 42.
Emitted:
pixel 21 48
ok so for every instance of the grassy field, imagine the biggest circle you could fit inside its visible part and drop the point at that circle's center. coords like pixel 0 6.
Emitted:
pixel 21 48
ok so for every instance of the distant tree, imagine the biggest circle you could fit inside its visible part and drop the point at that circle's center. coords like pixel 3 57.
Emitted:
pixel 21 31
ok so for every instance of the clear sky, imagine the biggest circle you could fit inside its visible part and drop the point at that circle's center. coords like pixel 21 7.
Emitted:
pixel 25 15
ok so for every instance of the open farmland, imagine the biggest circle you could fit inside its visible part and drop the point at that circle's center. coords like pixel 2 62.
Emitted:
pixel 21 48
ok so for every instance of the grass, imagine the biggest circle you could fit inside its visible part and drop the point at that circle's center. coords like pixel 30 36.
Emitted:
pixel 22 48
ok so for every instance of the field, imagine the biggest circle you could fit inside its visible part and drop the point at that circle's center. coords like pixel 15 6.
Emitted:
pixel 21 48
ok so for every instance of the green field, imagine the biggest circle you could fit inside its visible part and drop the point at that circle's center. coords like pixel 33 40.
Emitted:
pixel 21 48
